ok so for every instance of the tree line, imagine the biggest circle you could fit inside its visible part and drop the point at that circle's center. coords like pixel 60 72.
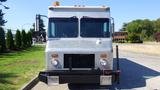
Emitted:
pixel 141 30
pixel 21 40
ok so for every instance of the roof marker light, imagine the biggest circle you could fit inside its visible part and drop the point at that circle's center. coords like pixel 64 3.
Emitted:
pixel 56 3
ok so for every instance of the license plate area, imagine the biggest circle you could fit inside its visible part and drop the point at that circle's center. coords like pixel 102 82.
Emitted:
pixel 79 60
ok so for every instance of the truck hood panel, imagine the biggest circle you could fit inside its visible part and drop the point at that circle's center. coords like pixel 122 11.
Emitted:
pixel 79 44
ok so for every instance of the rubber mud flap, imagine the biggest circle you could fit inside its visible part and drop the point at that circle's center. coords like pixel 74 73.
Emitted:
pixel 43 77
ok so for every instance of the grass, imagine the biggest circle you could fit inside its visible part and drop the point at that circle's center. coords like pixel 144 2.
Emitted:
pixel 19 67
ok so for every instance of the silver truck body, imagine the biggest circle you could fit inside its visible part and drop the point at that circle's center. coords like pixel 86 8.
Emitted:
pixel 79 45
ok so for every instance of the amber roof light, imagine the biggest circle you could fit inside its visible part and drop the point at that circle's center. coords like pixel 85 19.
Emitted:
pixel 56 3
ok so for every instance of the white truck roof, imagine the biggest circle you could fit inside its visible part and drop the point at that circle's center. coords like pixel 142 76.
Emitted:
pixel 79 7
pixel 79 11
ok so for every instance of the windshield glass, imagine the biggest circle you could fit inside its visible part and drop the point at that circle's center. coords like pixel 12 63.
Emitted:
pixel 63 27
pixel 95 27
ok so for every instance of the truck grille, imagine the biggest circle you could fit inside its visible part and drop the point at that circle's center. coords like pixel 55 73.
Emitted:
pixel 79 60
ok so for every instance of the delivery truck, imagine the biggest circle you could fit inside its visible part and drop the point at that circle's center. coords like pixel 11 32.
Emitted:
pixel 79 46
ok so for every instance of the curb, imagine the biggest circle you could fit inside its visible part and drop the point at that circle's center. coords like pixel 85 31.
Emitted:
pixel 31 84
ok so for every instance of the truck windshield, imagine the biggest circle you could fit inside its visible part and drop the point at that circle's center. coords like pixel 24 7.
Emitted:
pixel 63 27
pixel 95 27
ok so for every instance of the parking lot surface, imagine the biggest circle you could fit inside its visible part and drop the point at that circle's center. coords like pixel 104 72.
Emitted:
pixel 138 72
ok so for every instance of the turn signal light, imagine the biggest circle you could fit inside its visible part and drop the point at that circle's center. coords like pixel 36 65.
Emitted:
pixel 56 3
pixel 54 56
pixel 103 56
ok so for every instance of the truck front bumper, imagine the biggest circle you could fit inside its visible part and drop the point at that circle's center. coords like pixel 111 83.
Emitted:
pixel 102 77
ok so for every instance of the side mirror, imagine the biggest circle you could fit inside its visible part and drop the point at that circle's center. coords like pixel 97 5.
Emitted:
pixel 112 26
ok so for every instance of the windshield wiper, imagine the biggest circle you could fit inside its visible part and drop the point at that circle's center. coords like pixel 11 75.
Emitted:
pixel 87 17
pixel 73 17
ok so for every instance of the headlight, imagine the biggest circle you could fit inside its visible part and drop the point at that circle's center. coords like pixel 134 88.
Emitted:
pixel 103 62
pixel 54 62
pixel 54 59
pixel 103 59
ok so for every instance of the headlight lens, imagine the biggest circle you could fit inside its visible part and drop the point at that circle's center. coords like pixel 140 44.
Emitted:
pixel 103 62
pixel 103 59
pixel 55 62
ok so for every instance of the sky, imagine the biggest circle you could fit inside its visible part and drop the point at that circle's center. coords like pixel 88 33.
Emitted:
pixel 21 14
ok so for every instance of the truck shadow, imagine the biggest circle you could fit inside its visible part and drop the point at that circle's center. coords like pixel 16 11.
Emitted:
pixel 133 75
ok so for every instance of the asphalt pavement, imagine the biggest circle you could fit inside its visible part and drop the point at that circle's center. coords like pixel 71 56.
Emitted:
pixel 138 72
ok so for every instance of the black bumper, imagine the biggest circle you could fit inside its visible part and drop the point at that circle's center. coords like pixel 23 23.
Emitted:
pixel 79 76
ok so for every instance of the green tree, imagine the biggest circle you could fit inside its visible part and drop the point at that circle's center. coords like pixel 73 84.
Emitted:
pixel 2 40
pixel 144 28
pixel 147 29
pixel 32 30
pixel 3 0
pixel 134 38
pixel 2 33
pixel 134 27
pixel 0 48
pixel 9 40
pixel 157 25
pixel 124 27
pixel 18 41
pixel 27 40
pixel 30 38
pixel 41 29
pixel 24 39
pixel 41 25
pixel 2 21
